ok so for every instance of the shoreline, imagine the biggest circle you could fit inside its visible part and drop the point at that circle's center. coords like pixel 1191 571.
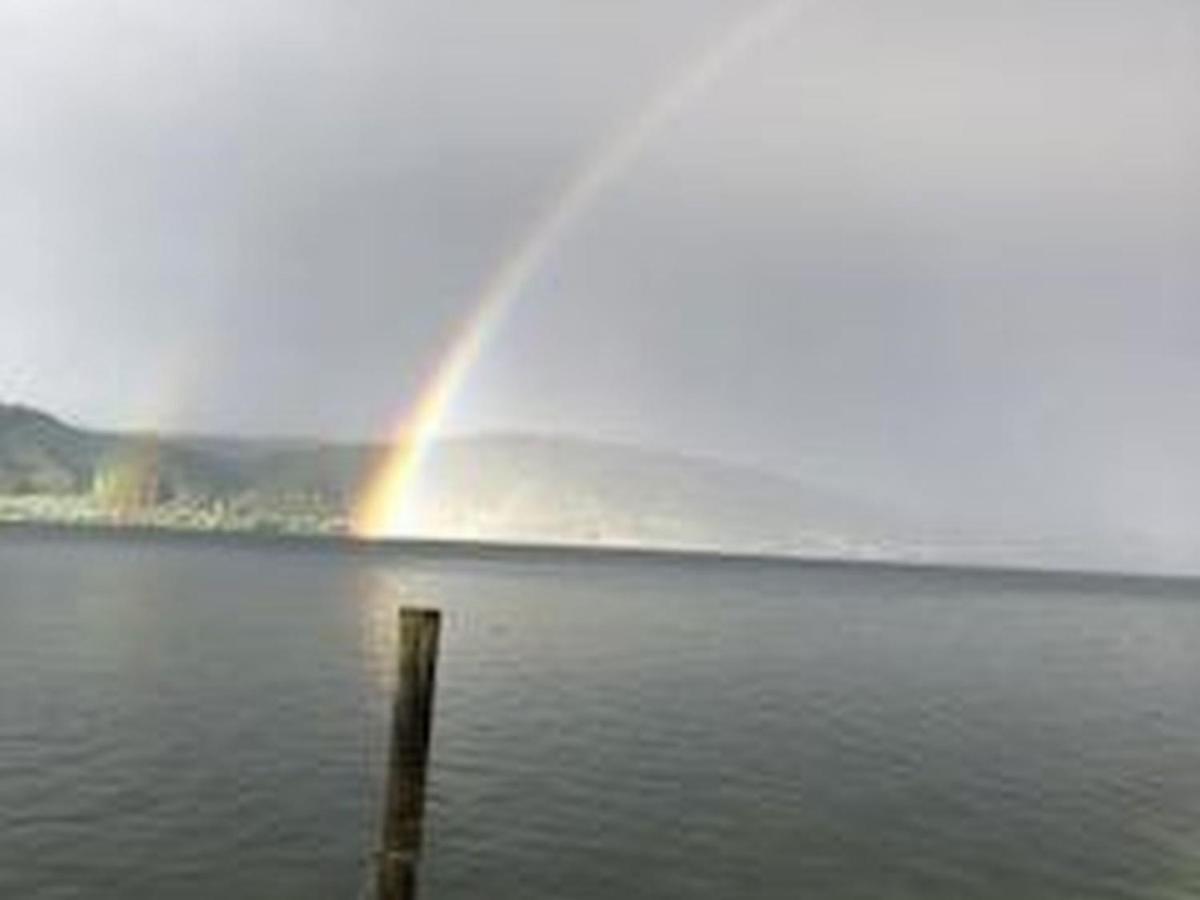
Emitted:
pixel 342 542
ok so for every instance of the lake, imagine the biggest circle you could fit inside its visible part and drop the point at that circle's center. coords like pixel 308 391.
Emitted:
pixel 203 717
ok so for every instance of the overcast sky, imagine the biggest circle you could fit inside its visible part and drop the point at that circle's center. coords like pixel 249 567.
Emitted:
pixel 944 251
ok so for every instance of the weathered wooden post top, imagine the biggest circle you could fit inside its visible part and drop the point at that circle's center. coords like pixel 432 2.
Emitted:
pixel 412 719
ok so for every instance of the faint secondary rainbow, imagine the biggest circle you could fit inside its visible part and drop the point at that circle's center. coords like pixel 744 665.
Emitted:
pixel 383 509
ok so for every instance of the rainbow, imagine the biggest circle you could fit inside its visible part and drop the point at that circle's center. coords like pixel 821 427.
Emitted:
pixel 383 509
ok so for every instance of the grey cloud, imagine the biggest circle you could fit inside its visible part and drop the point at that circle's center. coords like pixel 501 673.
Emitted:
pixel 941 252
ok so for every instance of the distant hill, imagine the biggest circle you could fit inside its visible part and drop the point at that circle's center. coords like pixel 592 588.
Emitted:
pixel 500 487
pixel 540 489
pixel 511 488
pixel 39 454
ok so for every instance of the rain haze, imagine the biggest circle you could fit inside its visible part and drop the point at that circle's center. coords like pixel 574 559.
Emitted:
pixel 938 254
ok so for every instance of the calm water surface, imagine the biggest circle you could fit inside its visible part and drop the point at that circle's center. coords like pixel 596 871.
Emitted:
pixel 198 719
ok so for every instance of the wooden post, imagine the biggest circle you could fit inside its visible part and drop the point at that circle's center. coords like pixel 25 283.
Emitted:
pixel 412 718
